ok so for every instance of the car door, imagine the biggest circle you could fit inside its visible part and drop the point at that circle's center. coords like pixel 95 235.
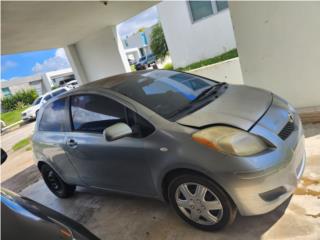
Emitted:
pixel 49 140
pixel 120 164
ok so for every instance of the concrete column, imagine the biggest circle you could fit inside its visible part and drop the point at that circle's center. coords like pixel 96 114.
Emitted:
pixel 278 46
pixel 76 64
pixel 98 55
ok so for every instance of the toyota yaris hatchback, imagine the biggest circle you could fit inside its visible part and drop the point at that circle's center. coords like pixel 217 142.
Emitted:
pixel 210 149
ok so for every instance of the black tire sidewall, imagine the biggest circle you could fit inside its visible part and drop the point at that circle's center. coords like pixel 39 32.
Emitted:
pixel 229 210
pixel 65 191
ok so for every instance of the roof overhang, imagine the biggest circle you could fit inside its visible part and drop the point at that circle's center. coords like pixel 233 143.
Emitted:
pixel 28 26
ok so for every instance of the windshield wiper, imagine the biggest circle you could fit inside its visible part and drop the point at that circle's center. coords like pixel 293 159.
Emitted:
pixel 208 91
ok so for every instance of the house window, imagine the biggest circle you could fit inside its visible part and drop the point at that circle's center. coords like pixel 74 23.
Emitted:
pixel 221 5
pixel 200 9
pixel 6 91
pixel 203 9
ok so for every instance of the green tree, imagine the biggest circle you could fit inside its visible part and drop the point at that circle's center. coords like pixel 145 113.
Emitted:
pixel 158 42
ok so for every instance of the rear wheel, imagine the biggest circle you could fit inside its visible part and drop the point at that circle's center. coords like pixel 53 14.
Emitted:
pixel 201 202
pixel 56 185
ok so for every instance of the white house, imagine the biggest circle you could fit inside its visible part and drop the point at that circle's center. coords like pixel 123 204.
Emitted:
pixel 42 83
pixel 138 44
pixel 196 30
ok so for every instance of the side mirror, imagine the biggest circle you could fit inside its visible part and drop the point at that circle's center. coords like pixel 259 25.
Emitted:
pixel 116 131
pixel 4 156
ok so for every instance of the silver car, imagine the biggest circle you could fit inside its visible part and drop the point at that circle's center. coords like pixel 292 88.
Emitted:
pixel 210 149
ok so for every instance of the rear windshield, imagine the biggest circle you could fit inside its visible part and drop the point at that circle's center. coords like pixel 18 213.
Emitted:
pixel 164 92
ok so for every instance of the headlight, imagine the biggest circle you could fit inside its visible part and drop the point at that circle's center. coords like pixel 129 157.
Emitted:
pixel 230 141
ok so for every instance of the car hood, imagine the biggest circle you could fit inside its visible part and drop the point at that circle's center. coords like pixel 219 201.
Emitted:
pixel 239 106
pixel 32 108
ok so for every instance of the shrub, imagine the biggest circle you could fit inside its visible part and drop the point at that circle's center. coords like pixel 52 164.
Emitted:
pixel 168 66
pixel 158 42
pixel 223 57
pixel 19 100
pixel 20 105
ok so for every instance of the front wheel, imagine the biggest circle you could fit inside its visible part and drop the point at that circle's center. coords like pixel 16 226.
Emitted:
pixel 201 202
pixel 56 185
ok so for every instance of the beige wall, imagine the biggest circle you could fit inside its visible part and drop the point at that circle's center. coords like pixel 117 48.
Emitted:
pixel 279 47
pixel 228 71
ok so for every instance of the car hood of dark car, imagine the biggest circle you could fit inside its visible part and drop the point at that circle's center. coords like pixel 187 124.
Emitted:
pixel 239 106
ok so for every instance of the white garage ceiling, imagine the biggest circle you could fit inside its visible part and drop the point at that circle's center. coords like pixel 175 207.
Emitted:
pixel 28 26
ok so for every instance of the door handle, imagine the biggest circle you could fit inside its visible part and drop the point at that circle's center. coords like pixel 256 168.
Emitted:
pixel 72 143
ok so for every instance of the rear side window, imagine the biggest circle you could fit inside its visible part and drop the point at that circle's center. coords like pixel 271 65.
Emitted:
pixel 94 113
pixel 53 116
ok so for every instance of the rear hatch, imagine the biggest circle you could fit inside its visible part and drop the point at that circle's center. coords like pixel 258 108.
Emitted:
pixel 239 106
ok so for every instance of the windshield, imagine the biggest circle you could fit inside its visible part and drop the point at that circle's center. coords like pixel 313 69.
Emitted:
pixel 164 92
pixel 143 58
pixel 37 101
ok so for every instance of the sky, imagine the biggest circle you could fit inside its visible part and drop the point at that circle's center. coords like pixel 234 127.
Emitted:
pixel 147 18
pixel 30 63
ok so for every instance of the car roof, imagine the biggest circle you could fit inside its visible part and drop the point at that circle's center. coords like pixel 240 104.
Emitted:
pixel 109 82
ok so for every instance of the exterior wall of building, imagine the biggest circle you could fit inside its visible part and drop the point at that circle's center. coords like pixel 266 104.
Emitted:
pixel 278 45
pixel 41 83
pixel 228 71
pixel 137 41
pixel 99 55
pixel 133 54
pixel 189 41
pixel 19 84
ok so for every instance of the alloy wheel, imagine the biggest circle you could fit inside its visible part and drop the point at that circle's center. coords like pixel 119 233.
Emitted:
pixel 198 203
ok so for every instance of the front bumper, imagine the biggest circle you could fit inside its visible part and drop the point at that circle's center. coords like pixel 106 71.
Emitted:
pixel 276 173
pixel 251 187
pixel 28 117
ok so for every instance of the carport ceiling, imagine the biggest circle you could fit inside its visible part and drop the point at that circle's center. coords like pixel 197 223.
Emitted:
pixel 28 26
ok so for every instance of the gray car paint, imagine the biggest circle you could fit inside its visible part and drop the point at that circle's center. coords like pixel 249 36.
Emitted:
pixel 139 166
pixel 234 108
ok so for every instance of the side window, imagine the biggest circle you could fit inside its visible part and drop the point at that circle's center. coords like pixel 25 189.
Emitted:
pixel 53 116
pixel 47 97
pixel 94 113
pixel 140 127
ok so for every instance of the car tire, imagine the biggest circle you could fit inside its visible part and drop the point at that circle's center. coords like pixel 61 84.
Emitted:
pixel 206 205
pixel 55 184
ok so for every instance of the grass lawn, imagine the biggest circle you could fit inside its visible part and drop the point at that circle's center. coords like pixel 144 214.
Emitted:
pixel 21 144
pixel 12 117
pixel 225 56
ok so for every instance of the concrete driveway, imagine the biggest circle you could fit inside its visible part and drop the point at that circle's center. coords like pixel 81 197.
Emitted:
pixel 114 216
pixel 19 160
pixel 12 137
